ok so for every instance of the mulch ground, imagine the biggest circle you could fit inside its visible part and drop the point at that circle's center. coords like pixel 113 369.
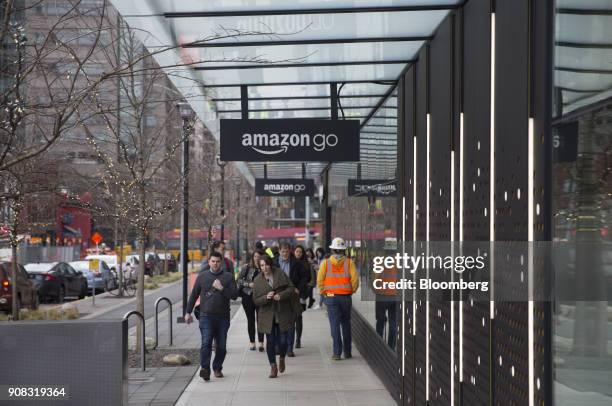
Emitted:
pixel 154 357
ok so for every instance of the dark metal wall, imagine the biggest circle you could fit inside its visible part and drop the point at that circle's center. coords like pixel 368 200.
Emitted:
pixel 441 125
pixel 422 108
pixel 452 77
pixel 475 388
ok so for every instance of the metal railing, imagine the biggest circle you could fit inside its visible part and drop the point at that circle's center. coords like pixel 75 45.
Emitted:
pixel 143 346
pixel 157 302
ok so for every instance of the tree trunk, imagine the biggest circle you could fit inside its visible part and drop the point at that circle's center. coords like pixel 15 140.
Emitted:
pixel 14 293
pixel 140 289
pixel 120 265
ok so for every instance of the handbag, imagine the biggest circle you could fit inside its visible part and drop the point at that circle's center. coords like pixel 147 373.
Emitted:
pixel 196 312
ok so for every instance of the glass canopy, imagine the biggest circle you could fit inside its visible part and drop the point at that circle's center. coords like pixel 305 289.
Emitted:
pixel 288 55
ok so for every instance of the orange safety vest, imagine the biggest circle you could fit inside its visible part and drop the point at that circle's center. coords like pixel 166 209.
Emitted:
pixel 338 278
pixel 388 275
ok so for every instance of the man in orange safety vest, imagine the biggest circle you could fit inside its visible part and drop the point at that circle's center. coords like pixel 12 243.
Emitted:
pixel 337 280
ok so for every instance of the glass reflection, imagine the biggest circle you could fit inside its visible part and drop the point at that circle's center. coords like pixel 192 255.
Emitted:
pixel 369 223
pixel 582 200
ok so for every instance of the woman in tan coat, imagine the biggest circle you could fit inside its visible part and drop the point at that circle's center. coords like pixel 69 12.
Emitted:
pixel 272 293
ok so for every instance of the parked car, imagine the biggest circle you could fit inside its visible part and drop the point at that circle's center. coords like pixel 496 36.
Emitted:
pixel 57 280
pixel 153 264
pixel 27 294
pixel 111 260
pixel 100 279
pixel 168 257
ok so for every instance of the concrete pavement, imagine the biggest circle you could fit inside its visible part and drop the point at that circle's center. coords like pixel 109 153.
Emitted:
pixel 311 378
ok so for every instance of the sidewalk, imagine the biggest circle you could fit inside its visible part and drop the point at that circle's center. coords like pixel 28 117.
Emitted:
pixel 311 377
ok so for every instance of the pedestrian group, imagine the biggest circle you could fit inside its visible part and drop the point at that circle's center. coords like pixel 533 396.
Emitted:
pixel 276 286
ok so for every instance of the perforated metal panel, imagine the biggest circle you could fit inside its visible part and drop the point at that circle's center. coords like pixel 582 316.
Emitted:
pixel 440 156
pixel 511 385
pixel 476 101
pixel 421 137
pixel 407 126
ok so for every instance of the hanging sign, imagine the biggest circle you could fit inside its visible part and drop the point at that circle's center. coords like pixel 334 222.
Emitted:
pixel 284 187
pixel 372 187
pixel 290 140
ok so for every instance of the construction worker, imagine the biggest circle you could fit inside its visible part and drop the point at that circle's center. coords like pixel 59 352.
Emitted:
pixel 337 281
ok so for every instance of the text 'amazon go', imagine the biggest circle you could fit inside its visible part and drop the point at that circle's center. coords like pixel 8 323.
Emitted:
pixel 290 140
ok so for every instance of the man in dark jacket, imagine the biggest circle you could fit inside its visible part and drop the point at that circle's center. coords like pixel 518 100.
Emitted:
pixel 299 274
pixel 215 289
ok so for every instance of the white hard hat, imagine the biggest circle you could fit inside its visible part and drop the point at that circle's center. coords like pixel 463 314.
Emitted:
pixel 338 244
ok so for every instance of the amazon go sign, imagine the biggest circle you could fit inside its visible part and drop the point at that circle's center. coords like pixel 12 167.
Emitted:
pixel 284 187
pixel 290 140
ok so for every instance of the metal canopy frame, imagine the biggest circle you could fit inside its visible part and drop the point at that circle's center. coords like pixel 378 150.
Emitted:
pixel 391 36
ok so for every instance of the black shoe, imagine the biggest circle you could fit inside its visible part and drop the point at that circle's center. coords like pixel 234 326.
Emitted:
pixel 290 354
pixel 336 358
pixel 205 374
pixel 348 356
pixel 261 348
pixel 298 343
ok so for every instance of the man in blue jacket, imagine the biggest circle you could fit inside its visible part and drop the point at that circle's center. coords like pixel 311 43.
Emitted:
pixel 215 288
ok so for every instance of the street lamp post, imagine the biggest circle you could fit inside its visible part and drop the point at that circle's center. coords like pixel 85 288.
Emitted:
pixel 222 167
pixel 187 116
pixel 238 184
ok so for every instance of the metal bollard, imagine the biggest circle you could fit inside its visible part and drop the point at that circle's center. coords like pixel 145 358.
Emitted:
pixel 143 341
pixel 157 302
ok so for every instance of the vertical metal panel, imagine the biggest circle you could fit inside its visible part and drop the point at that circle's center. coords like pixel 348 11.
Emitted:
pixel 421 135
pixel 440 150
pixel 457 110
pixel 408 125
pixel 511 384
pixel 476 107
pixel 542 68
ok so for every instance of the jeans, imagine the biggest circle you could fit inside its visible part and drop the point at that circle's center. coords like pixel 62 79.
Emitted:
pixel 213 326
pixel 251 310
pixel 274 339
pixel 339 314
pixel 382 309
pixel 295 330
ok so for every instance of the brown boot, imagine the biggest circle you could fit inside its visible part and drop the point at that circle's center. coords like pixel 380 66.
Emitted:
pixel 281 365
pixel 273 371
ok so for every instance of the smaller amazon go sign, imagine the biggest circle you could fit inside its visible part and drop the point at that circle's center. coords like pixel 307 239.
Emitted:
pixel 372 187
pixel 290 140
pixel 284 187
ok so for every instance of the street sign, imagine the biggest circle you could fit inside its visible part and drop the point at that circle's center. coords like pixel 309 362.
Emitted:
pixel 372 187
pixel 290 140
pixel 94 265
pixel 284 187
pixel 96 238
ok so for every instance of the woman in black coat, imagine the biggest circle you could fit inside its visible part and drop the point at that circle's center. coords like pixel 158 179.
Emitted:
pixel 245 283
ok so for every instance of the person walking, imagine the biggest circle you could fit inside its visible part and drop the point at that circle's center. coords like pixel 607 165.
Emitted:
pixel 226 264
pixel 272 293
pixel 310 258
pixel 246 282
pixel 215 288
pixel 299 274
pixel 338 281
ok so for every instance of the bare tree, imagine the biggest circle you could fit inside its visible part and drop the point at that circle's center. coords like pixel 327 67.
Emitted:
pixel 25 186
